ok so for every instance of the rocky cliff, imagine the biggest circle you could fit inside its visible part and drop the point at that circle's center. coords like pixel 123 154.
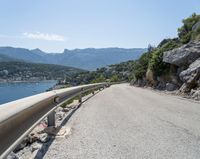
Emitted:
pixel 186 61
pixel 174 65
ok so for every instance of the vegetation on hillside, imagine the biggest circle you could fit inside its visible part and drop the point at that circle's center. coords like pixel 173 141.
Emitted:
pixel 151 60
pixel 22 71
pixel 112 73
pixel 189 31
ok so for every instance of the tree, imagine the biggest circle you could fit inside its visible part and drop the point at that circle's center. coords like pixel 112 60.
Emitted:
pixel 114 78
pixel 185 32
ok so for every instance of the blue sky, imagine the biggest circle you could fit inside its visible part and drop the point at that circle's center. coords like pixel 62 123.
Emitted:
pixel 53 25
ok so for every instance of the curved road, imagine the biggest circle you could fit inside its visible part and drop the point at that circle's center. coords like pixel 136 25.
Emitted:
pixel 124 122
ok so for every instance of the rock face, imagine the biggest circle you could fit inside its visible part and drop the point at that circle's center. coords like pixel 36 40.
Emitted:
pixel 192 73
pixel 196 95
pixel 187 61
pixel 171 87
pixel 191 78
pixel 196 26
pixel 184 55
pixel 150 77
pixel 141 82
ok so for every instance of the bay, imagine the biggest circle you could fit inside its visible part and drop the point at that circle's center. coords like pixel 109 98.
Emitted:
pixel 13 91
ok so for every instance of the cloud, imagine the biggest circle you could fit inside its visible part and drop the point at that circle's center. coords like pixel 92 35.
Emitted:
pixel 44 36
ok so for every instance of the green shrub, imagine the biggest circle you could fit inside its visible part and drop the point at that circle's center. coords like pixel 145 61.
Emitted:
pixel 114 78
pixel 196 34
pixel 156 63
pixel 185 32
pixel 99 79
pixel 140 66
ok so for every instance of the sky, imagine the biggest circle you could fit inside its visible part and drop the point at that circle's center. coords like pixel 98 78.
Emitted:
pixel 55 25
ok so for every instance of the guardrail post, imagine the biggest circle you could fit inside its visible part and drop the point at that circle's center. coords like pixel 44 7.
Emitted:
pixel 80 96
pixel 51 119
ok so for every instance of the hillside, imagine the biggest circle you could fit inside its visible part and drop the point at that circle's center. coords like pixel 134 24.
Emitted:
pixel 88 59
pixel 174 65
pixel 21 54
pixel 22 71
pixel 112 73
pixel 5 58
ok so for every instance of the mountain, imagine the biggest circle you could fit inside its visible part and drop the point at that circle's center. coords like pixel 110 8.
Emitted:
pixel 23 71
pixel 38 52
pixel 5 58
pixel 89 58
pixel 21 54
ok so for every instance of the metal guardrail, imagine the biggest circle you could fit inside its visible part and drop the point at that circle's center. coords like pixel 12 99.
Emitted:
pixel 18 118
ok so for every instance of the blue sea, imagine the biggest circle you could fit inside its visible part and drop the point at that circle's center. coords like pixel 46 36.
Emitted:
pixel 14 91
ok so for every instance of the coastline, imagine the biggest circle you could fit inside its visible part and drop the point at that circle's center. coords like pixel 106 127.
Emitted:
pixel 28 81
pixel 10 91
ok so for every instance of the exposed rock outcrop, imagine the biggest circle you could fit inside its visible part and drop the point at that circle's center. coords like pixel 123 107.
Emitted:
pixel 187 61
pixel 196 26
pixel 171 87
pixel 184 55
pixel 190 77
pixel 150 77
pixel 196 95
pixel 192 73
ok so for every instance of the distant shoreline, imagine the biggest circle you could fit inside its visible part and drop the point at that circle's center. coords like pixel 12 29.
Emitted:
pixel 11 91
pixel 28 81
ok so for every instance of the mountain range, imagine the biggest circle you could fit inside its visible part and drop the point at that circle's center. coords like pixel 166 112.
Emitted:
pixel 88 59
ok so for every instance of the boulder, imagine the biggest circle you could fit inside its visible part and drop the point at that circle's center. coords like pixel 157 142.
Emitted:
pixel 66 109
pixel 198 83
pixel 44 137
pixel 33 137
pixel 36 146
pixel 21 145
pixel 181 69
pixel 150 77
pixel 59 109
pixel 196 95
pixel 37 133
pixel 60 115
pixel 141 82
pixel 171 87
pixel 161 85
pixel 24 153
pixel 196 26
pixel 56 131
pixel 175 80
pixel 192 74
pixel 183 56
pixel 190 77
pixel 184 89
pixel 12 155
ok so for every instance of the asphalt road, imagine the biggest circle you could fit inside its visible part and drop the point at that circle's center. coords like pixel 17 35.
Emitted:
pixel 134 123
